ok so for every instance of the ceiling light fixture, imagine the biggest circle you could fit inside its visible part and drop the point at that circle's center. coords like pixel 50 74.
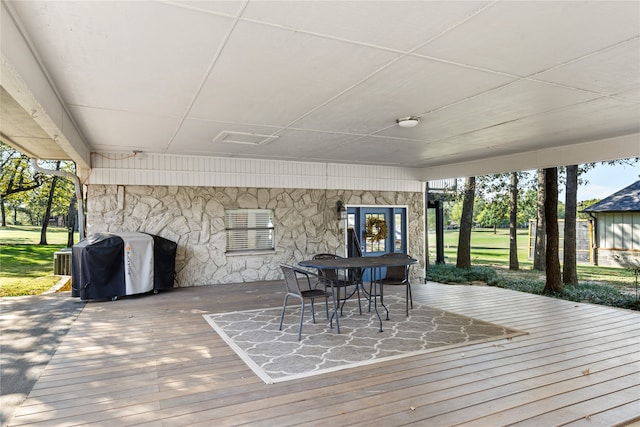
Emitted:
pixel 408 122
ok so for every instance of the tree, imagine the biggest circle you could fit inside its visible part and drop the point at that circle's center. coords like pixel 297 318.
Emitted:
pixel 495 212
pixel 513 223
pixel 569 267
pixel 527 205
pixel 15 176
pixel 466 223
pixel 584 205
pixel 552 259
pixel 494 189
pixel 71 225
pixel 540 245
pixel 38 198
pixel 456 209
pixel 47 214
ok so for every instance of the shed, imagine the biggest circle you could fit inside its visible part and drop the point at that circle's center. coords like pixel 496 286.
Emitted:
pixel 617 228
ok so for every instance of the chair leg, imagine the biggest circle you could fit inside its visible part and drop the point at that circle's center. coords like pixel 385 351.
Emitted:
pixel 410 296
pixel 301 317
pixel 335 310
pixel 284 305
pixel 326 306
pixel 313 311
pixel 382 299
pixel 406 299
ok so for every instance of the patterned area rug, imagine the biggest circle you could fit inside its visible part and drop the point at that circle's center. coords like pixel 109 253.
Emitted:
pixel 277 356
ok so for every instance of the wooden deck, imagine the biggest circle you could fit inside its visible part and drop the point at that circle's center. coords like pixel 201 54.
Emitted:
pixel 154 361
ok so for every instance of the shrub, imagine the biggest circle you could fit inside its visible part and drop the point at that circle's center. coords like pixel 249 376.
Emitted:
pixel 522 284
pixel 445 273
pixel 599 294
pixel 586 292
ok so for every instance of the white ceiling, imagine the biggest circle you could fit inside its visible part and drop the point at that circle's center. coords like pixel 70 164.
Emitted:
pixel 329 79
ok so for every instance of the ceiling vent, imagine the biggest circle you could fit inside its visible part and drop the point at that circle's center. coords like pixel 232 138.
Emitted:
pixel 243 138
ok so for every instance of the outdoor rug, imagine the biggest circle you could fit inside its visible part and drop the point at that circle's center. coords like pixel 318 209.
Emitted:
pixel 277 356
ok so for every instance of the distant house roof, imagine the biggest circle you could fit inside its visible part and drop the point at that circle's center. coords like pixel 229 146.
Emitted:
pixel 625 200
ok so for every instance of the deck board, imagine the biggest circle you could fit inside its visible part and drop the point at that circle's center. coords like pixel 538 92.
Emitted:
pixel 152 360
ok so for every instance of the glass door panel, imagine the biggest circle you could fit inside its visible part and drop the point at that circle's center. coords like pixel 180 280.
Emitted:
pixel 376 233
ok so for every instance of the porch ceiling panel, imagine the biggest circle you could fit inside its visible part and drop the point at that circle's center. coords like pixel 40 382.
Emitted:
pixel 526 37
pixel 611 71
pixel 559 128
pixel 271 76
pixel 196 137
pixel 522 98
pixel 135 57
pixel 329 79
pixel 409 86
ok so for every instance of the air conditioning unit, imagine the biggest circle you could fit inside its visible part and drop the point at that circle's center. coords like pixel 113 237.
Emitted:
pixel 62 263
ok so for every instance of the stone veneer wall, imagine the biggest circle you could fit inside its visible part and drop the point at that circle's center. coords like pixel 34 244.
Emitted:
pixel 305 223
pixel 624 258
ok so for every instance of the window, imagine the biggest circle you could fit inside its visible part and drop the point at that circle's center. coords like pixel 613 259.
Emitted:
pixel 376 227
pixel 249 230
pixel 398 232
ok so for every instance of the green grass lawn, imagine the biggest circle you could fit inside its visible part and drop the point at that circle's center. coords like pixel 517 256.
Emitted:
pixel 26 268
pixel 487 247
pixel 29 234
pixel 492 249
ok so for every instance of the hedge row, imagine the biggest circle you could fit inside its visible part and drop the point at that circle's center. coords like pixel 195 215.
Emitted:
pixel 584 292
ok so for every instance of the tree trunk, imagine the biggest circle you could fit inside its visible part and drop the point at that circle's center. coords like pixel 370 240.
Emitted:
pixel 4 218
pixel 47 214
pixel 513 224
pixel 569 268
pixel 466 223
pixel 540 245
pixel 71 222
pixel 552 259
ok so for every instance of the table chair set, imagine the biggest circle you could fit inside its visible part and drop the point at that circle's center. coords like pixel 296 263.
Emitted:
pixel 336 274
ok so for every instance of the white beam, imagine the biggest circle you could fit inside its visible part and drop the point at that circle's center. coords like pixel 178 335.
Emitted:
pixel 23 77
pixel 594 151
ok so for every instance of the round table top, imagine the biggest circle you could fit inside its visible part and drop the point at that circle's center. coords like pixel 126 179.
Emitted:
pixel 358 262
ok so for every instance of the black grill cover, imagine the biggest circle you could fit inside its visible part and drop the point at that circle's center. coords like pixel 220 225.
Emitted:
pixel 164 262
pixel 98 270
pixel 97 267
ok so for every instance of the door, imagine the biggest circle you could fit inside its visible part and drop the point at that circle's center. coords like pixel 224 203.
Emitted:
pixel 380 230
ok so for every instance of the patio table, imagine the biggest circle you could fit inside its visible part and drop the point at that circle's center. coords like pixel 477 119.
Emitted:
pixel 374 264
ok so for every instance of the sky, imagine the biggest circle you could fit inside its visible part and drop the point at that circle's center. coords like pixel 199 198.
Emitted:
pixel 604 180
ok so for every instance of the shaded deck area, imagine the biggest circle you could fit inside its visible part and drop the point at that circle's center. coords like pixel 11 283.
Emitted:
pixel 153 360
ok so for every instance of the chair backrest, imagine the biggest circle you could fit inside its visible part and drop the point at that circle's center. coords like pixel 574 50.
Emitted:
pixel 353 249
pixel 400 272
pixel 326 256
pixel 291 279
pixel 331 275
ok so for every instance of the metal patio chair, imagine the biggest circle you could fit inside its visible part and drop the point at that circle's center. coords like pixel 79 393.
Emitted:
pixel 333 277
pixel 292 276
pixel 396 276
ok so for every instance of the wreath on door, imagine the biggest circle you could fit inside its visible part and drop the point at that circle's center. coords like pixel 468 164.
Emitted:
pixel 375 229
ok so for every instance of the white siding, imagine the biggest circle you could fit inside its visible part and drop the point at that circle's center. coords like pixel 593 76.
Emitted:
pixel 158 169
pixel 619 230
pixel 635 234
